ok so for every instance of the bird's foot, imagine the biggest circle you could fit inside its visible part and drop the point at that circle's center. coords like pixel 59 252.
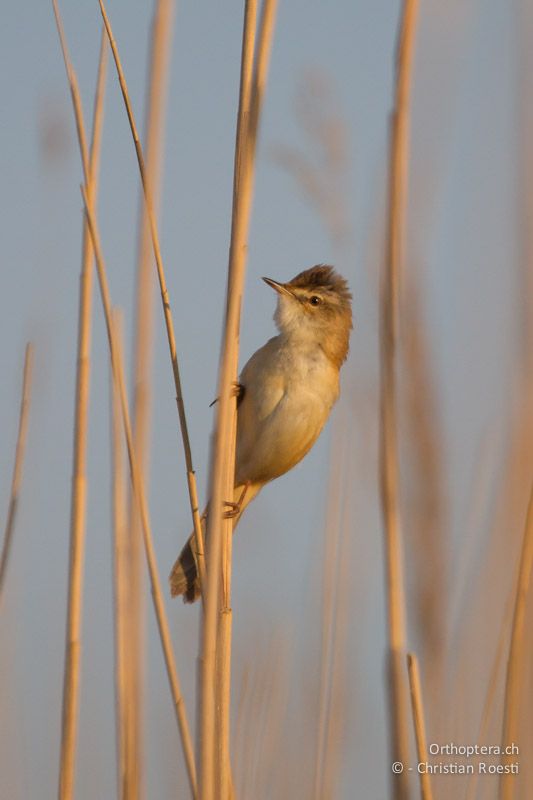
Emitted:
pixel 234 509
pixel 237 390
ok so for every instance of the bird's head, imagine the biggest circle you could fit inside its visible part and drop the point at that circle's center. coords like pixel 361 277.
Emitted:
pixel 316 306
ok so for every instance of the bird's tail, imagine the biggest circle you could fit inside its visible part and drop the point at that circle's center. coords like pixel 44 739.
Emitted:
pixel 184 577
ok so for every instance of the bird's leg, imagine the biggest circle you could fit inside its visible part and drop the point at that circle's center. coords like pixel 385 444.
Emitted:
pixel 234 509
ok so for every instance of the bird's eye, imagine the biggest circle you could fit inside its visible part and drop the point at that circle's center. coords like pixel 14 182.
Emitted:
pixel 314 300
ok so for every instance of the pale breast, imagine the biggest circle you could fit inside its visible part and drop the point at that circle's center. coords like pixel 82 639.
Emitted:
pixel 287 400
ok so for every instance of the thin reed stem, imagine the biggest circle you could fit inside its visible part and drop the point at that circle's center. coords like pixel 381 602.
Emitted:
pixel 71 677
pixel 191 477
pixel 74 93
pixel 223 657
pixel 389 476
pixel 515 664
pixel 223 455
pixel 127 782
pixel 262 60
pixel 490 695
pixel 140 496
pixel 20 450
pixel 417 708
pixel 330 581
pixel 161 40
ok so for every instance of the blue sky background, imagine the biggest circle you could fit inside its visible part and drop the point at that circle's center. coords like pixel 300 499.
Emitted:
pixel 464 249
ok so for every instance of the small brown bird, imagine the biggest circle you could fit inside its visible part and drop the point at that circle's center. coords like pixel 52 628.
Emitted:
pixel 285 393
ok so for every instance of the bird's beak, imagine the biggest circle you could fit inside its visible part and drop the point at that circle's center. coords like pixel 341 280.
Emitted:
pixel 280 288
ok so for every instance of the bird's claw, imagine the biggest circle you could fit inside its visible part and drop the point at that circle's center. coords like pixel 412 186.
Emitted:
pixel 237 390
pixel 233 510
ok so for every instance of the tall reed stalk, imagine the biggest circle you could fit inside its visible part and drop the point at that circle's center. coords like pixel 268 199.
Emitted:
pixel 142 508
pixel 389 474
pixel 20 450
pixel 224 613
pixel 71 678
pixel 216 655
pixel 417 707
pixel 214 772
pixel 161 40
pixel 514 679
pixel 127 783
pixel 330 597
pixel 491 695
pixel 169 324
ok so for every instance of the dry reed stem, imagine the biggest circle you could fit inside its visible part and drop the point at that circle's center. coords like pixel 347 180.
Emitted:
pixel 331 566
pixel 417 707
pixel 262 59
pixel 490 696
pixel 260 717
pixel 240 716
pixel 321 178
pixel 336 610
pixel 267 739
pixel 389 478
pixel 140 496
pixel 191 477
pixel 20 450
pixel 249 753
pixel 223 654
pixel 427 542
pixel 223 456
pixel 264 683
pixel 161 38
pixel 224 778
pixel 335 730
pixel 224 624
pixel 74 93
pixel 127 783
pixel 515 664
pixel 71 678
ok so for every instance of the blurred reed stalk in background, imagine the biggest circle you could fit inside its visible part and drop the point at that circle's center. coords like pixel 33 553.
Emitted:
pixel 322 177
pixel 18 465
pixel 321 180
pixel 389 459
pixel 69 728
pixel 426 544
pixel 417 708
pixel 156 96
pixel 142 507
pixel 514 683
pixel 127 778
pixel 504 544
pixel 90 164
pixel 263 695
pixel 336 577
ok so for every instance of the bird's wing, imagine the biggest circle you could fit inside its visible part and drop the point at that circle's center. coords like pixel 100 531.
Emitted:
pixel 263 384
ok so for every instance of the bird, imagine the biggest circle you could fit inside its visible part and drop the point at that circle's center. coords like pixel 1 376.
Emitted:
pixel 285 393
